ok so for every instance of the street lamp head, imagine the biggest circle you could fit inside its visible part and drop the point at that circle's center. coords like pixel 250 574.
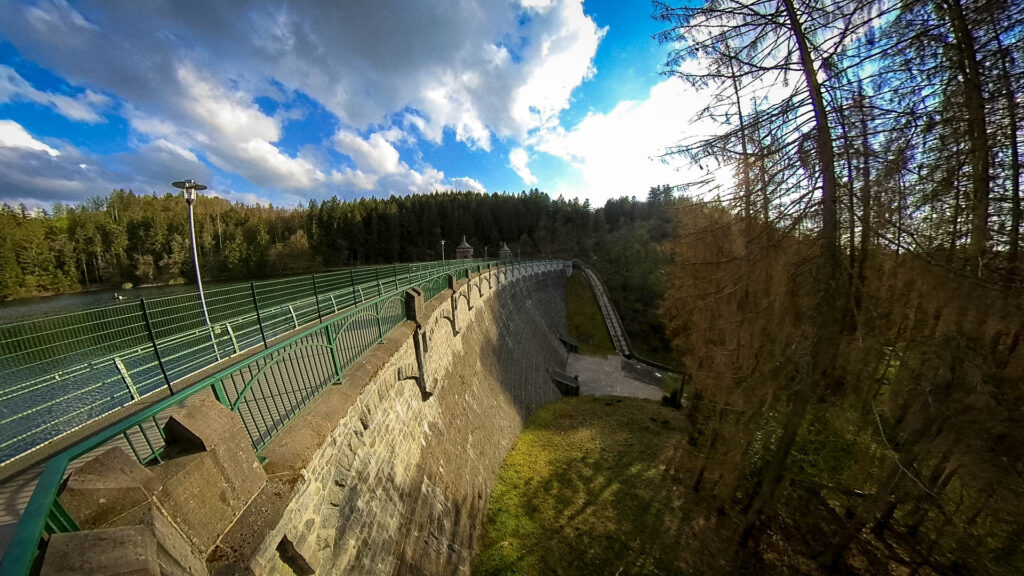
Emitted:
pixel 190 187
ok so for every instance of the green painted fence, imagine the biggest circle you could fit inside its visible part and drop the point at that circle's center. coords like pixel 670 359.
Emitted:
pixel 266 390
pixel 61 372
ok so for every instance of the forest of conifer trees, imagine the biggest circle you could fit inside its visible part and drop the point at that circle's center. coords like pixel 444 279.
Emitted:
pixel 143 239
pixel 849 311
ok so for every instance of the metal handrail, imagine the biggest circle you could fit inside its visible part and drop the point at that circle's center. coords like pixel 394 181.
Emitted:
pixel 83 362
pixel 44 513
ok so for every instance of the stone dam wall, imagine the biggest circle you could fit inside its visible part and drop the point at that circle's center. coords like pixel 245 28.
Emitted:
pixel 387 472
pixel 400 481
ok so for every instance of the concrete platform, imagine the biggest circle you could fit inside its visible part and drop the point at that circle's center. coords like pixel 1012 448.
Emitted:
pixel 603 376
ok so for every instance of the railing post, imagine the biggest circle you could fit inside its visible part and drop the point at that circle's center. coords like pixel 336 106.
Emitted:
pixel 334 351
pixel 156 349
pixel 352 284
pixel 380 323
pixel 220 395
pixel 58 520
pixel 132 391
pixel 259 318
pixel 234 341
pixel 316 295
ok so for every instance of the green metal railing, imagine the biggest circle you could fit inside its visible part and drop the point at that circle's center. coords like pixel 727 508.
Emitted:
pixel 266 390
pixel 61 372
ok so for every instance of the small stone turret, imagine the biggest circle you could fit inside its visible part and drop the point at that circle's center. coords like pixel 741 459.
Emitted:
pixel 504 253
pixel 464 250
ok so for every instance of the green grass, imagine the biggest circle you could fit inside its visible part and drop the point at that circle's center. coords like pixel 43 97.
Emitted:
pixel 591 487
pixel 586 323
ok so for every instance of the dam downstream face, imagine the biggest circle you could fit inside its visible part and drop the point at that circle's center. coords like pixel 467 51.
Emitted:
pixel 387 471
pixel 400 485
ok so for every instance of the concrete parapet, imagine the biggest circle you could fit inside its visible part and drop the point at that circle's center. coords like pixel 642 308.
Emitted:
pixel 174 555
pixel 375 476
pixel 107 487
pixel 401 484
pixel 201 425
pixel 204 492
pixel 414 306
pixel 123 551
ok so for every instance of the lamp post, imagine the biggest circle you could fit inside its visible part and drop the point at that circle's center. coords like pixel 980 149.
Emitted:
pixel 442 252
pixel 191 187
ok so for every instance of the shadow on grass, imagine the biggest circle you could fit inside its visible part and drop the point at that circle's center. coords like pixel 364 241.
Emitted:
pixel 591 487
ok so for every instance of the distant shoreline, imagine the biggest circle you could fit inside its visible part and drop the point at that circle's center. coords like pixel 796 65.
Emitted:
pixel 93 289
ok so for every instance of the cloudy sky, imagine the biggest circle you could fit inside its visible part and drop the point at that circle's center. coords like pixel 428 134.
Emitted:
pixel 286 101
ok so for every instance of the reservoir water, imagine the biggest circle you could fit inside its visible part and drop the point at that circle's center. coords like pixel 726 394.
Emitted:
pixel 43 306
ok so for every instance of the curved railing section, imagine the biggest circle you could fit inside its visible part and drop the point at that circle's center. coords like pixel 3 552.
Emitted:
pixel 62 372
pixel 266 390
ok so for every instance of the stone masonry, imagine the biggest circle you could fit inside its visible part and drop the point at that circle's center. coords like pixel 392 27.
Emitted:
pixel 382 476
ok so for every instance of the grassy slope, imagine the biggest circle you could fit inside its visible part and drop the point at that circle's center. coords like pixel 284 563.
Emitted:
pixel 586 324
pixel 590 487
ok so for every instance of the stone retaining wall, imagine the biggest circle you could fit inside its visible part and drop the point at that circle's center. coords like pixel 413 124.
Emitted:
pixel 388 475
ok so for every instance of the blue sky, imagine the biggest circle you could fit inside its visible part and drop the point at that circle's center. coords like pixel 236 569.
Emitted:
pixel 271 102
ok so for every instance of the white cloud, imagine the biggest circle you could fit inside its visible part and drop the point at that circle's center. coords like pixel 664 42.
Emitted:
pixel 379 168
pixel 230 129
pixel 375 155
pixel 14 135
pixel 518 159
pixel 619 153
pixel 82 108
pixel 475 70
pixel 467 183
pixel 491 70
pixel 350 178
pixel 564 57
pixel 38 174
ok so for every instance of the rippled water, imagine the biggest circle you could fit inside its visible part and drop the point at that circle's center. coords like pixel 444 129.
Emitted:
pixel 38 307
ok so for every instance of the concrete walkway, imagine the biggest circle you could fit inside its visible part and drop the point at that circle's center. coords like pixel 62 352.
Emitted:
pixel 604 376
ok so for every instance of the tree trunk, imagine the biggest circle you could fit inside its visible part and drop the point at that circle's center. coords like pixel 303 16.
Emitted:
pixel 826 319
pixel 978 145
pixel 745 155
pixel 900 201
pixel 851 208
pixel 865 203
pixel 85 272
pixel 707 453
pixel 874 509
pixel 1013 128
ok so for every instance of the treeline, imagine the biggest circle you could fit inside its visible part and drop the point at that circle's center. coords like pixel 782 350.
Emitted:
pixel 849 311
pixel 144 239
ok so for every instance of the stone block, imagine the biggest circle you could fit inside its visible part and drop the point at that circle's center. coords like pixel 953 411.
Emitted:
pixel 107 487
pixel 174 554
pixel 414 309
pixel 201 424
pixel 125 551
pixel 204 492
